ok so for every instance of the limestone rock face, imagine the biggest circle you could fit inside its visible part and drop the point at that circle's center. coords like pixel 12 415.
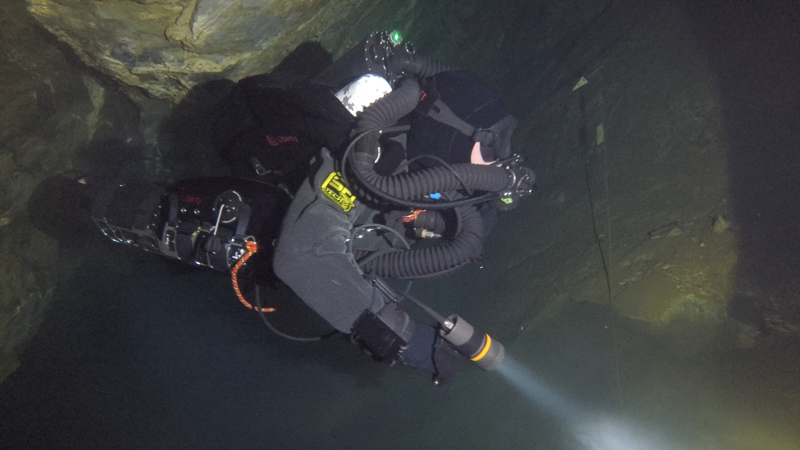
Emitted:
pixel 168 46
pixel 44 116
pixel 53 108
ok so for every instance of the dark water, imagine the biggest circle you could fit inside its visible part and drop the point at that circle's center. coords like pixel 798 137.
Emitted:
pixel 132 356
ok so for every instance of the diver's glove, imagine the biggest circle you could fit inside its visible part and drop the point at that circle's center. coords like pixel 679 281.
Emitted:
pixel 426 350
pixel 446 362
pixel 419 351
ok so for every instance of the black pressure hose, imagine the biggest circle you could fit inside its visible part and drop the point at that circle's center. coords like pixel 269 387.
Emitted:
pixel 381 114
pixel 436 261
pixel 404 188
pixel 411 63
pixel 389 109
pixel 407 189
pixel 413 186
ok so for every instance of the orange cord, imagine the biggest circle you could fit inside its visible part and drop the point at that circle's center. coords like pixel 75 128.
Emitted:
pixel 251 249
pixel 412 216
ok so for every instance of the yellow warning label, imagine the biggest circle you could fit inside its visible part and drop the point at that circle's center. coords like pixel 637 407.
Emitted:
pixel 333 187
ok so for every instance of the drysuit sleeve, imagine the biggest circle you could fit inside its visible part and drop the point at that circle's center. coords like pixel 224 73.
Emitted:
pixel 312 255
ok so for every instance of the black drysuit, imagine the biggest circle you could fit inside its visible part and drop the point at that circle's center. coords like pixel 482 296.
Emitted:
pixel 296 131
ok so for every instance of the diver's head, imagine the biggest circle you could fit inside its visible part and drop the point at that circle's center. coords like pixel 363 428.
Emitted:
pixel 465 119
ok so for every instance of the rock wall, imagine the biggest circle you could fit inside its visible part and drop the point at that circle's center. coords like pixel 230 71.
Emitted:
pixel 46 114
pixel 168 46
pixel 664 179
pixel 59 118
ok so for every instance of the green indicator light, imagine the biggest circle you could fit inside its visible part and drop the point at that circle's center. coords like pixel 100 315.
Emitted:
pixel 396 38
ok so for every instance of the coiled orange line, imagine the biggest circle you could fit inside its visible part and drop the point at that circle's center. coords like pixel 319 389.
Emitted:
pixel 251 249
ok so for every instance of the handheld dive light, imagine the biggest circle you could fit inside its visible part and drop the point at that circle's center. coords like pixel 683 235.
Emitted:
pixel 478 347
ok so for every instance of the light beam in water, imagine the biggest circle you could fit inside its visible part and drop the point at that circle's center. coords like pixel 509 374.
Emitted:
pixel 593 431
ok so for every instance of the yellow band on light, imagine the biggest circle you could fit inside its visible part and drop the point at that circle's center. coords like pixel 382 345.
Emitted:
pixel 484 351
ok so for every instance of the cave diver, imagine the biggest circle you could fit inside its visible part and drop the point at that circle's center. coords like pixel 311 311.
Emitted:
pixel 381 148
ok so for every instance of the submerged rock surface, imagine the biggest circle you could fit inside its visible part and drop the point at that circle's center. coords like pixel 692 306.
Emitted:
pixel 168 46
